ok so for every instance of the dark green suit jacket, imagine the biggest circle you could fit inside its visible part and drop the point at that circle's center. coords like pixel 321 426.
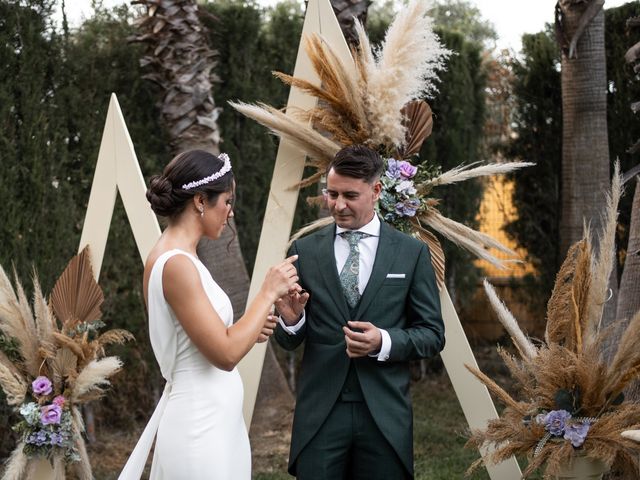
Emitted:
pixel 408 308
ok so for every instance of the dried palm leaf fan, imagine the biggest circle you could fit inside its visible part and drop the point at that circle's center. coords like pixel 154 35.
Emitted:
pixel 376 100
pixel 569 400
pixel 56 362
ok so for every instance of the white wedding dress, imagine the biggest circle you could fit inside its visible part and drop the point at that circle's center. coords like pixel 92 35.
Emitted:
pixel 201 433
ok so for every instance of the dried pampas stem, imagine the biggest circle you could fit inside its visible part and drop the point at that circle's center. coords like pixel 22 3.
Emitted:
pixel 16 465
pixel 94 375
pixel 14 387
pixel 467 172
pixel 313 226
pixel 604 262
pixel 526 349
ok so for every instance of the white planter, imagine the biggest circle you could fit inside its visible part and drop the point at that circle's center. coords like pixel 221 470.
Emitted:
pixel 582 468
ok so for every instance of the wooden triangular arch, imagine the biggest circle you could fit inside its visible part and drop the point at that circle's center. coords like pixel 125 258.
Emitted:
pixel 474 397
pixel 117 170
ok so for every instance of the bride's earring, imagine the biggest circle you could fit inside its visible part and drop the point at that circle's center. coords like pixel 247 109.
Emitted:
pixel 201 211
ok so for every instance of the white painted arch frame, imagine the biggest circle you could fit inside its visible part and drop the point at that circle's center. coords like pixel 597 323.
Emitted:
pixel 117 169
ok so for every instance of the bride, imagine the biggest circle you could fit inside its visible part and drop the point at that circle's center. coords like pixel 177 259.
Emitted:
pixel 198 424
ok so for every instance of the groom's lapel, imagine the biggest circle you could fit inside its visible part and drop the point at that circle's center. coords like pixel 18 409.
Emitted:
pixel 385 255
pixel 327 264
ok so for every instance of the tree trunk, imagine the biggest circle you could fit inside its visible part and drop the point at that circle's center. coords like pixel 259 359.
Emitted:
pixel 345 10
pixel 629 295
pixel 585 145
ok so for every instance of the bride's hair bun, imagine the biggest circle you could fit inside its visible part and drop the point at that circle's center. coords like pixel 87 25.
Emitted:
pixel 166 194
pixel 161 197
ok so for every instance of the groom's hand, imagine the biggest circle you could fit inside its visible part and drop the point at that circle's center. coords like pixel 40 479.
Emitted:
pixel 291 306
pixel 362 338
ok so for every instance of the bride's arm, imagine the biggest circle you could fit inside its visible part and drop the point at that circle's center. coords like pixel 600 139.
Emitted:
pixel 223 347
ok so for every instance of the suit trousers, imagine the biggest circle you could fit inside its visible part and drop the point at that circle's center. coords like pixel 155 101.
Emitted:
pixel 349 446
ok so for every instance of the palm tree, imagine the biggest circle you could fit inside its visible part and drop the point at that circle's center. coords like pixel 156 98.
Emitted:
pixel 180 61
pixel 345 11
pixel 585 145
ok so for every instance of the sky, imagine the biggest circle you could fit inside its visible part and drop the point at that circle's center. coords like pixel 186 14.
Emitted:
pixel 511 18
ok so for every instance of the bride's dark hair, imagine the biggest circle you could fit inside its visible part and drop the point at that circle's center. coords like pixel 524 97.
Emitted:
pixel 165 192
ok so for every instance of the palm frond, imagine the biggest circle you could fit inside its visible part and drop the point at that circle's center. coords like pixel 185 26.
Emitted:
pixel 76 297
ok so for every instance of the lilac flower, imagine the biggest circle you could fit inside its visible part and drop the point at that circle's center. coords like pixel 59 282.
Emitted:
pixel 42 386
pixel 56 439
pixel 576 433
pixel 406 169
pixel 38 438
pixel 407 208
pixel 59 400
pixel 393 169
pixel 406 187
pixel 554 421
pixel 51 414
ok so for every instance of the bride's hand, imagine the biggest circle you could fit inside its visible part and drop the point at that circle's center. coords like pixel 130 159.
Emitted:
pixel 267 328
pixel 281 279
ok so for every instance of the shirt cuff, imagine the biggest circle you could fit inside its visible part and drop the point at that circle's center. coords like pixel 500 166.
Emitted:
pixel 385 348
pixel 293 329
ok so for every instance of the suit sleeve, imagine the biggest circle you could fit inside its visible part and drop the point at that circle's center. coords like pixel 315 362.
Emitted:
pixel 423 334
pixel 285 339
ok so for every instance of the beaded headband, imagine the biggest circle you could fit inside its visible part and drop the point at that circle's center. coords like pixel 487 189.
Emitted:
pixel 225 169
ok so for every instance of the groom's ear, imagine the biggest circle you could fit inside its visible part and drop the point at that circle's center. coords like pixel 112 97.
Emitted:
pixel 377 188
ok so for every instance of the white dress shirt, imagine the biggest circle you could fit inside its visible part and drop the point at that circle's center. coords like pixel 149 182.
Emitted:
pixel 368 247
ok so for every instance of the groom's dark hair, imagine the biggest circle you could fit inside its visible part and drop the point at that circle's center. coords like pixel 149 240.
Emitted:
pixel 357 161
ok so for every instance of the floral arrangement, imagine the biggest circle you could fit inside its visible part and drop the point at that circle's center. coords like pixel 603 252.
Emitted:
pixel 570 400
pixel 376 100
pixel 52 360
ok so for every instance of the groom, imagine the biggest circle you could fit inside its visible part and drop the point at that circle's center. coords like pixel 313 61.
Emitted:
pixel 371 306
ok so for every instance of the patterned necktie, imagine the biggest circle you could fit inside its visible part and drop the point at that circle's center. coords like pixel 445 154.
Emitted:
pixel 350 271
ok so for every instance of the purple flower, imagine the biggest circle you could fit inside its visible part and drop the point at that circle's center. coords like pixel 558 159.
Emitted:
pixel 50 414
pixel 393 169
pixel 407 208
pixel 406 169
pixel 59 400
pixel 56 439
pixel 42 386
pixel 554 421
pixel 38 438
pixel 576 433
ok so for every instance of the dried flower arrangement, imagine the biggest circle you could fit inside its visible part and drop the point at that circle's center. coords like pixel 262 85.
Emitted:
pixel 570 401
pixel 52 360
pixel 376 101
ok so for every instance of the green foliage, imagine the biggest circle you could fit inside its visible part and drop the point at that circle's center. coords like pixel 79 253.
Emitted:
pixel 459 113
pixel 538 135
pixel 538 128
pixel 463 17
